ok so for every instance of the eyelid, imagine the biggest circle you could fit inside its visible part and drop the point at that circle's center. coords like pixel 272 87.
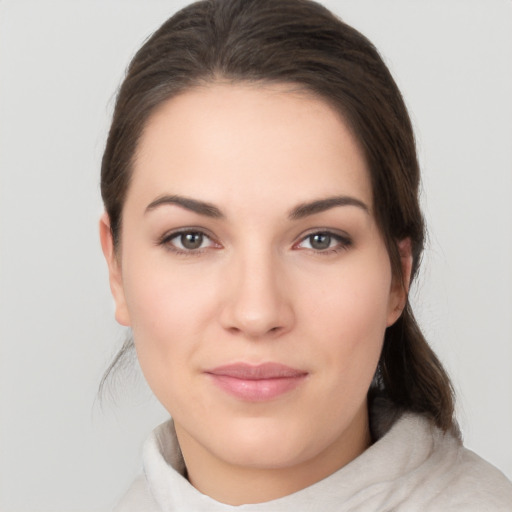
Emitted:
pixel 167 237
pixel 345 240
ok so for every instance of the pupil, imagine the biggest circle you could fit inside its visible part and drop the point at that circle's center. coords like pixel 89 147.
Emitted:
pixel 192 240
pixel 320 241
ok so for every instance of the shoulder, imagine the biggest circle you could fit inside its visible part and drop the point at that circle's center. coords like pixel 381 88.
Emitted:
pixel 453 478
pixel 474 484
pixel 429 470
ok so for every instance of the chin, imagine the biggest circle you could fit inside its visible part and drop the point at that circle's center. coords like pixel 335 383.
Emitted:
pixel 264 454
pixel 265 443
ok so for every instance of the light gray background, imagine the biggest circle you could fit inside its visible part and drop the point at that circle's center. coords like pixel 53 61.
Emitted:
pixel 60 64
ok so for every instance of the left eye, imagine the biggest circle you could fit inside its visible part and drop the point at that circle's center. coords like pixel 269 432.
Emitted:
pixel 323 241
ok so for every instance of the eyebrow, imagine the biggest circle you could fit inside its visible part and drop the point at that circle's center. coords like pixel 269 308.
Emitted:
pixel 321 205
pixel 194 205
pixel 299 212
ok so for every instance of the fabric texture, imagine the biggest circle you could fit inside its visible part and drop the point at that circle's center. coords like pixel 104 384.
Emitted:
pixel 412 466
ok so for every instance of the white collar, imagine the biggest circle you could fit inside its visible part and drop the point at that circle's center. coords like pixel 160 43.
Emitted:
pixel 388 470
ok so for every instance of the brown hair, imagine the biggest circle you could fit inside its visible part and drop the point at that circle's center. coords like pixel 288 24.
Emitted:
pixel 298 42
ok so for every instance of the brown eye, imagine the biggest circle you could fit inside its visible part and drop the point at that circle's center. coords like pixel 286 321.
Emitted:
pixel 325 242
pixel 320 241
pixel 188 242
pixel 191 241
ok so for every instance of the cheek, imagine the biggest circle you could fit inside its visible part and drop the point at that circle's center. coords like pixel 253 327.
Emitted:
pixel 162 297
pixel 170 313
pixel 350 317
pixel 354 297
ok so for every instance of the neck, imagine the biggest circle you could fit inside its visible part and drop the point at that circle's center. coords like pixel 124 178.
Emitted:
pixel 235 484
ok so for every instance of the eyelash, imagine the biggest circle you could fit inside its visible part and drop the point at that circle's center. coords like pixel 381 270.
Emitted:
pixel 167 239
pixel 344 242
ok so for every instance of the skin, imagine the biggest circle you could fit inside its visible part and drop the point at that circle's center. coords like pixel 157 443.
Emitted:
pixel 259 288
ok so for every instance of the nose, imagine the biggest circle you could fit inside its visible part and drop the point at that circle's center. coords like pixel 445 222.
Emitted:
pixel 258 301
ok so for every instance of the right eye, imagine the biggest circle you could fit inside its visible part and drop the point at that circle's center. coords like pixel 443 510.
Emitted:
pixel 190 241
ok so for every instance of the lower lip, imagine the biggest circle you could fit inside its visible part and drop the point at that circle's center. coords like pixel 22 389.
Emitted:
pixel 257 390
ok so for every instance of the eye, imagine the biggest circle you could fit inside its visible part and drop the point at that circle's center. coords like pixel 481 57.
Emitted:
pixel 188 241
pixel 324 241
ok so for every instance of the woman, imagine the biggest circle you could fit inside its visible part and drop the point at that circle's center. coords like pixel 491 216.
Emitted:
pixel 262 229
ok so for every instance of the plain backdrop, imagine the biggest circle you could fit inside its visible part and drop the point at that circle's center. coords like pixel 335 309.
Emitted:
pixel 60 64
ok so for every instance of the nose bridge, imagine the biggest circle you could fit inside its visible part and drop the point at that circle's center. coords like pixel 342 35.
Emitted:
pixel 258 302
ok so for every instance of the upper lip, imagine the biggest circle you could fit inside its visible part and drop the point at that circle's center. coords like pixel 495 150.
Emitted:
pixel 257 372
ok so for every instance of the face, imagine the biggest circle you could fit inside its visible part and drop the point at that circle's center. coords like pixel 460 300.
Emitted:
pixel 253 275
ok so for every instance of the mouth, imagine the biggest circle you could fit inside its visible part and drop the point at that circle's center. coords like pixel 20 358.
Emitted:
pixel 256 383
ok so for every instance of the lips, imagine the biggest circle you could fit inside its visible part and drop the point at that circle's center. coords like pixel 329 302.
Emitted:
pixel 256 383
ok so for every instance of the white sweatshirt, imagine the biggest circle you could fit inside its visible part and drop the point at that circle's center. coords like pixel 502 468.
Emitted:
pixel 411 467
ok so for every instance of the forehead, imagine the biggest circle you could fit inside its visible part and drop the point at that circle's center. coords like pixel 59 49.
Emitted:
pixel 223 141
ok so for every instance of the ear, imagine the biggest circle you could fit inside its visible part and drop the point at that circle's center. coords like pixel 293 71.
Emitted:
pixel 114 271
pixel 400 287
